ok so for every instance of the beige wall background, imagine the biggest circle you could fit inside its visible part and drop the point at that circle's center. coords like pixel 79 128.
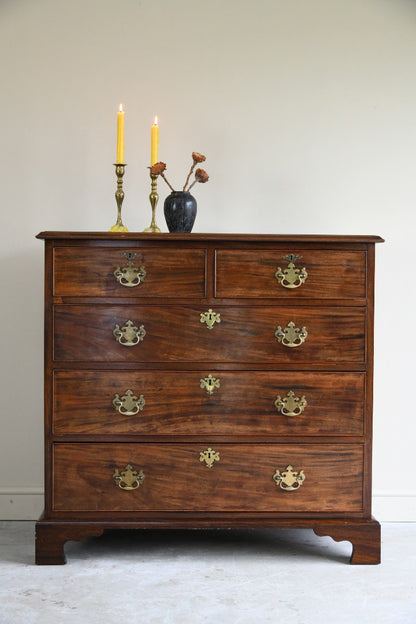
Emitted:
pixel 306 111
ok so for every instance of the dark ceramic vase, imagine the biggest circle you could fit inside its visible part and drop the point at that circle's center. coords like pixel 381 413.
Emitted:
pixel 180 211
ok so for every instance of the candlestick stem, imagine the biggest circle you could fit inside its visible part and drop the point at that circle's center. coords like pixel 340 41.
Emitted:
pixel 154 198
pixel 119 195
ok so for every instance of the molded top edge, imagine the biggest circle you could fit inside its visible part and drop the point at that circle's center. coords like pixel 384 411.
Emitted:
pixel 165 236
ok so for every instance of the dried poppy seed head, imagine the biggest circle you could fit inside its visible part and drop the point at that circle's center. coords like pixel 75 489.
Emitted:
pixel 158 168
pixel 197 157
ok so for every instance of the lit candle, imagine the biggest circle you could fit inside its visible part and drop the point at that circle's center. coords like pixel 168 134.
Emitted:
pixel 120 136
pixel 154 143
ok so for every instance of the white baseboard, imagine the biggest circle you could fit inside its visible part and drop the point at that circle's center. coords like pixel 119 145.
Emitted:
pixel 394 507
pixel 27 504
pixel 21 503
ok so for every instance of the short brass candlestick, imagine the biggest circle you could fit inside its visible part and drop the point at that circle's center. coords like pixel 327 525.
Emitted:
pixel 119 227
pixel 154 198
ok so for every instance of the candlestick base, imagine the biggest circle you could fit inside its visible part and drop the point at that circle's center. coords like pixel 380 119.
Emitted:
pixel 154 198
pixel 118 227
pixel 119 195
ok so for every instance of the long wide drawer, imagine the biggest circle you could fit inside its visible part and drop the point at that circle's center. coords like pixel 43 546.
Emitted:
pixel 241 477
pixel 238 334
pixel 305 273
pixel 131 272
pixel 208 402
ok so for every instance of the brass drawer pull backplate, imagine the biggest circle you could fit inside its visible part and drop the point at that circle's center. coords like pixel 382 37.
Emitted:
pixel 129 335
pixel 289 480
pixel 291 336
pixel 290 405
pixel 291 277
pixel 130 275
pixel 128 404
pixel 128 479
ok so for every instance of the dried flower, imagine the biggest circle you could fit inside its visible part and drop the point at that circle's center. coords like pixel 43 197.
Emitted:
pixel 200 176
pixel 158 168
pixel 198 157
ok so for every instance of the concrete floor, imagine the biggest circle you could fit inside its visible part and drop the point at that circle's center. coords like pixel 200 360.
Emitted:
pixel 207 577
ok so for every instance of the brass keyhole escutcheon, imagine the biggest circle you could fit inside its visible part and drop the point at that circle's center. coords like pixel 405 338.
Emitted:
pixel 209 456
pixel 290 405
pixel 209 383
pixel 130 275
pixel 289 480
pixel 291 277
pixel 291 336
pixel 210 318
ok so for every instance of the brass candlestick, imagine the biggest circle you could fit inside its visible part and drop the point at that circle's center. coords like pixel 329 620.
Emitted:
pixel 154 198
pixel 119 227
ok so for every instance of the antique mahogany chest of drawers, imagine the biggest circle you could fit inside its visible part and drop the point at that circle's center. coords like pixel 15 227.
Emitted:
pixel 203 380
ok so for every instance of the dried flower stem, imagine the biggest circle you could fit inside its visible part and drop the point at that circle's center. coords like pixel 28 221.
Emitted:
pixel 193 184
pixel 167 182
pixel 189 175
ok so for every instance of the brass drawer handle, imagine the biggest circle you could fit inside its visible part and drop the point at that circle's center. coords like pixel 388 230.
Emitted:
pixel 291 336
pixel 292 277
pixel 129 335
pixel 130 275
pixel 210 318
pixel 290 405
pixel 209 456
pixel 128 479
pixel 289 480
pixel 209 383
pixel 129 404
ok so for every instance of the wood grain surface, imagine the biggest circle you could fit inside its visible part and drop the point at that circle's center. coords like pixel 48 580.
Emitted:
pixel 175 403
pixel 90 272
pixel 175 333
pixel 337 275
pixel 176 479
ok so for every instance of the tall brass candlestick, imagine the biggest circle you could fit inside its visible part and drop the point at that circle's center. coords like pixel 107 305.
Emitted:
pixel 154 198
pixel 119 227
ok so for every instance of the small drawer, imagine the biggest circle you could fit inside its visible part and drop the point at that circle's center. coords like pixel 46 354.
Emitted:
pixel 148 333
pixel 117 478
pixel 129 272
pixel 289 273
pixel 210 402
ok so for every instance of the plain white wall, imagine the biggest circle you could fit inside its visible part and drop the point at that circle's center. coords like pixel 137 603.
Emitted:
pixel 306 111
